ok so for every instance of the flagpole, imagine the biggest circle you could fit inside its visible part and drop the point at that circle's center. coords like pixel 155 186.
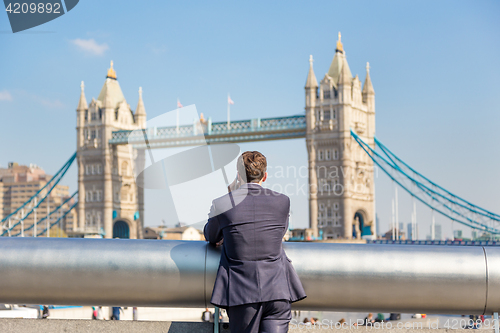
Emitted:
pixel 228 112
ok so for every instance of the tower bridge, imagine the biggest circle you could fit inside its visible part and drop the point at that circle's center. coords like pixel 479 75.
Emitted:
pixel 107 125
pixel 339 130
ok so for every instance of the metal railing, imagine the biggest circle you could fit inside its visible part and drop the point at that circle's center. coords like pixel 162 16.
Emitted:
pixel 347 277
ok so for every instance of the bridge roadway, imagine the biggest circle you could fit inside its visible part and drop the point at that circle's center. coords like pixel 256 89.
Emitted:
pixel 278 128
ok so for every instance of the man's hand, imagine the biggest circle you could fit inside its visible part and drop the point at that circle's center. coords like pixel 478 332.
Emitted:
pixel 220 242
pixel 234 185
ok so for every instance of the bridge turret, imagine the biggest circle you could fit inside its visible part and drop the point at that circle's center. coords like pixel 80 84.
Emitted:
pixel 81 115
pixel 345 83
pixel 311 89
pixel 311 100
pixel 140 112
pixel 369 99
pixel 368 91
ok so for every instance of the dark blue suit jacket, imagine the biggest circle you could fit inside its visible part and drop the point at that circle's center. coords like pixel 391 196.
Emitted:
pixel 253 267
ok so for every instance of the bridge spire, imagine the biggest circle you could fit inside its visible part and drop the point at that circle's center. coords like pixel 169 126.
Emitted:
pixel 111 94
pixel 340 47
pixel 368 87
pixel 140 111
pixel 339 63
pixel 311 81
pixel 82 103
pixel 111 72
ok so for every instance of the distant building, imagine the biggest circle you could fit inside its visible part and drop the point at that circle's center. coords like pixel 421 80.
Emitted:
pixel 301 234
pixel 388 235
pixel 409 231
pixel 437 232
pixel 18 183
pixel 177 233
pixel 457 233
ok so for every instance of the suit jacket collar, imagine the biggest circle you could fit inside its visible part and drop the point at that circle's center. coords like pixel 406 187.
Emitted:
pixel 251 186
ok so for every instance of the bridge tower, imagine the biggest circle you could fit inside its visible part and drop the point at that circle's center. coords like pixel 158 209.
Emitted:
pixel 341 183
pixel 109 199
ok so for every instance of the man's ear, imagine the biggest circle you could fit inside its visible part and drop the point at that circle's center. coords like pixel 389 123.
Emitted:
pixel 265 177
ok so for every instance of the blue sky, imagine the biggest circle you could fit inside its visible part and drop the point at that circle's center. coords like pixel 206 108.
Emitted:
pixel 434 66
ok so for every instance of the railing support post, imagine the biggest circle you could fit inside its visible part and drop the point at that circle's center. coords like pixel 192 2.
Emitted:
pixel 495 322
pixel 217 323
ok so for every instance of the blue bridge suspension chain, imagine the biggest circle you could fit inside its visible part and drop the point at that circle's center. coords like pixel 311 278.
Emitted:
pixel 389 160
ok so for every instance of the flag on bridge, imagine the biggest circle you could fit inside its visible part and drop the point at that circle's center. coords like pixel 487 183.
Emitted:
pixel 179 105
pixel 229 102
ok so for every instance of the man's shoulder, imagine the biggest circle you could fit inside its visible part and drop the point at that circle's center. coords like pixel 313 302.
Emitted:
pixel 274 194
pixel 238 195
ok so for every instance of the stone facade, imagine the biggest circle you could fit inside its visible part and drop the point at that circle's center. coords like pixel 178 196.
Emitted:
pixel 110 202
pixel 341 194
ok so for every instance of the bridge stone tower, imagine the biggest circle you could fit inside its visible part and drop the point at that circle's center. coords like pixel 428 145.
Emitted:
pixel 109 199
pixel 341 183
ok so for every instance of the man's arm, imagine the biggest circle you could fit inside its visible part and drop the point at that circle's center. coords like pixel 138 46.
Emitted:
pixel 287 216
pixel 212 230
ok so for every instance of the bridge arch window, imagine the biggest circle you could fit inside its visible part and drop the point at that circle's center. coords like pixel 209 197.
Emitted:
pixel 336 219
pixel 320 155
pixel 321 206
pixel 335 154
pixel 328 154
pixel 336 206
pixel 326 115
pixel 99 169
pixel 326 94
pixel 88 196
pixel 329 212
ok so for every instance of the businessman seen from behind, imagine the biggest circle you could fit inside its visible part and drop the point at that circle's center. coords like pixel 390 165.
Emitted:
pixel 256 281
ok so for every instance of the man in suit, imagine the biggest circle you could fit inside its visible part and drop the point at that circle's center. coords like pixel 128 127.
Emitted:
pixel 256 281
